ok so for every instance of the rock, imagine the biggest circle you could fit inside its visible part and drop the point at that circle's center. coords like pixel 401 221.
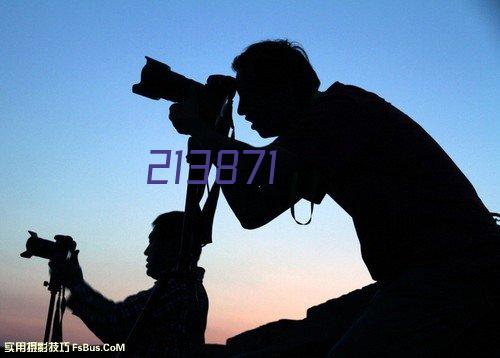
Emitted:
pixel 312 336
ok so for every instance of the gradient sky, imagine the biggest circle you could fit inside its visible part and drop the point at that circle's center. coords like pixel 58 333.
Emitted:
pixel 75 141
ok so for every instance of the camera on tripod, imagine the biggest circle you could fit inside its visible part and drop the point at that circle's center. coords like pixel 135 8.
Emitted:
pixel 59 250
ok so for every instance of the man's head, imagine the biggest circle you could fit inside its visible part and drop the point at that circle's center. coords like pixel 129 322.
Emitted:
pixel 164 244
pixel 275 83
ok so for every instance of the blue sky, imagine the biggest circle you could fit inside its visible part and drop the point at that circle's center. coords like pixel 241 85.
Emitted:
pixel 75 141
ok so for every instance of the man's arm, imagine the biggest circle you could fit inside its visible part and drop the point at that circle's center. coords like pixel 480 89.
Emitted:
pixel 253 204
pixel 109 321
pixel 260 202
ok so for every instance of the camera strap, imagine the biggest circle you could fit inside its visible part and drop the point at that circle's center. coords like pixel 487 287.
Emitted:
pixel 313 196
pixel 208 210
pixel 292 211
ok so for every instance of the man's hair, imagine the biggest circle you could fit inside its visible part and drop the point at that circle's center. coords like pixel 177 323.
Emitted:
pixel 172 223
pixel 278 61
pixel 172 220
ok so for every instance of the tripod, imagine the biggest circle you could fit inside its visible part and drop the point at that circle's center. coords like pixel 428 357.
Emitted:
pixel 197 223
pixel 53 326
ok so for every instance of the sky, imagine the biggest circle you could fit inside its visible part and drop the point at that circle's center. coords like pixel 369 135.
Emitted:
pixel 75 142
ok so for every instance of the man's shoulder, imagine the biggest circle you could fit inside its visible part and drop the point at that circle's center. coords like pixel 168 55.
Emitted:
pixel 340 104
pixel 348 92
pixel 340 118
pixel 356 107
pixel 339 100
pixel 139 296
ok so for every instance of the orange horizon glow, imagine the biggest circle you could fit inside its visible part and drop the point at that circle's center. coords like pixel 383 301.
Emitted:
pixel 229 314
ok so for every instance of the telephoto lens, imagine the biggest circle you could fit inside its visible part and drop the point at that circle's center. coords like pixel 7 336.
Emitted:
pixel 158 81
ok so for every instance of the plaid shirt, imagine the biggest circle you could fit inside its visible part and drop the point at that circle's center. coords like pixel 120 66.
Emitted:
pixel 174 326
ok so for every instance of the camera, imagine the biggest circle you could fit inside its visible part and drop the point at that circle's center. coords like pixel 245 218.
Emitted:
pixel 159 81
pixel 59 250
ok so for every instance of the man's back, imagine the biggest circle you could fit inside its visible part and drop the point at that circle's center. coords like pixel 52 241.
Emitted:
pixel 409 202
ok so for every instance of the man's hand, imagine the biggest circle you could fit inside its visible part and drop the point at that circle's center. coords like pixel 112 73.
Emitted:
pixel 185 116
pixel 68 272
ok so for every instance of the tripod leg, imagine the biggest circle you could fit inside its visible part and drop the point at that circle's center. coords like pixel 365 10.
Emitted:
pixel 49 316
pixel 57 324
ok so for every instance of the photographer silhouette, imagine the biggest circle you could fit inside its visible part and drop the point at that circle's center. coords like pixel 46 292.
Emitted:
pixel 425 235
pixel 175 323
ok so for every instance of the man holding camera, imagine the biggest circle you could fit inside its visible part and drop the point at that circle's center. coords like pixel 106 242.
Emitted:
pixel 175 321
pixel 425 235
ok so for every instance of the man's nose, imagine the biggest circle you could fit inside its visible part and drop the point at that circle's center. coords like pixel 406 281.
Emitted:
pixel 146 252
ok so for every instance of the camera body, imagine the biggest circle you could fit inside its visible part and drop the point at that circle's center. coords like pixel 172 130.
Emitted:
pixel 59 250
pixel 159 81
